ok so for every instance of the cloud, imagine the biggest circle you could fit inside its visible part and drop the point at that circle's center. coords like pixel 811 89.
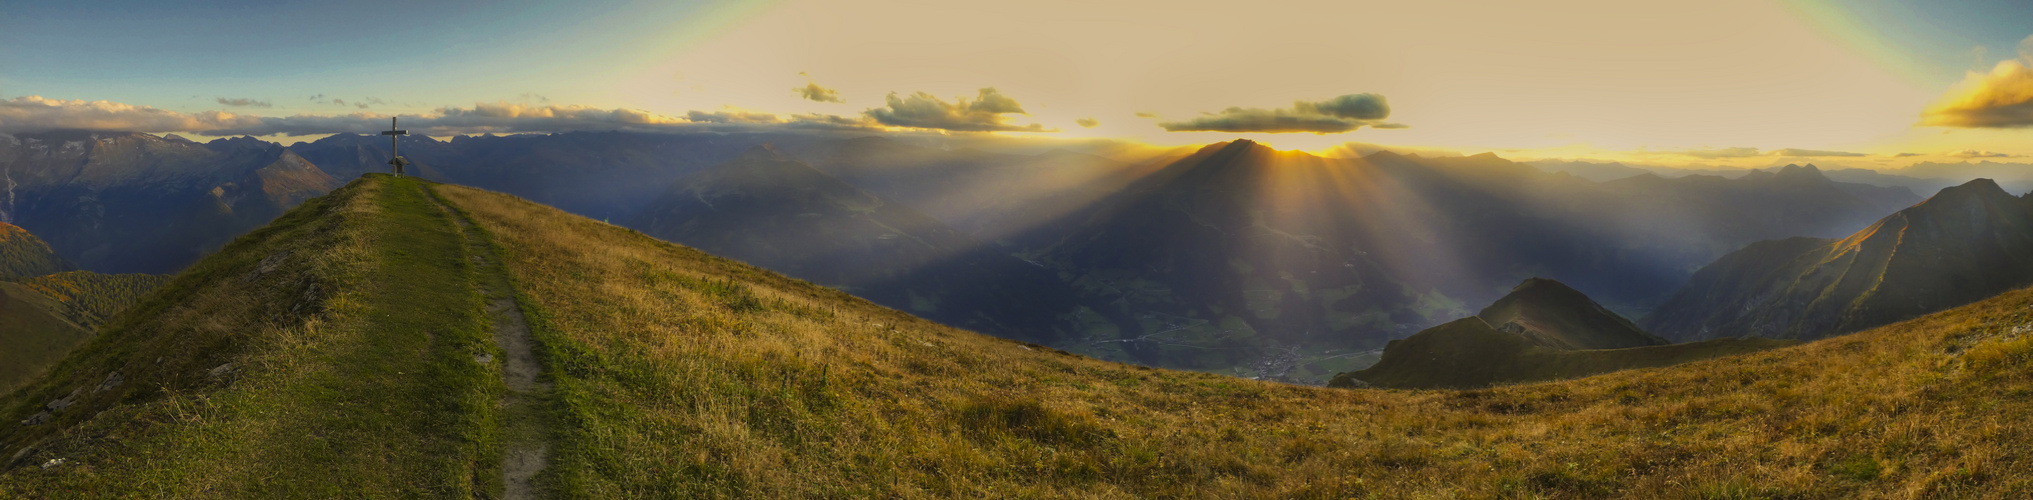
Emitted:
pixel 1810 152
pixel 1903 155
pixel 2002 98
pixel 35 114
pixel 984 114
pixel 243 102
pixel 1146 114
pixel 1088 122
pixel 813 92
pixel 1972 153
pixel 1719 152
pixel 732 116
pixel 1340 114
pixel 835 122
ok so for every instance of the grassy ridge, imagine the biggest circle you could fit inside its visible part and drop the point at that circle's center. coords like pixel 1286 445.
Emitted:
pixel 684 375
pixel 329 354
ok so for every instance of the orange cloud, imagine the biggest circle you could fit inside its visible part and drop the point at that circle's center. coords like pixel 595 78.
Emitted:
pixel 2002 98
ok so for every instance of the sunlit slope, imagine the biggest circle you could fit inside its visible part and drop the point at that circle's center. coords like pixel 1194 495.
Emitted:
pixel 23 254
pixel 1963 244
pixel 335 352
pixel 684 375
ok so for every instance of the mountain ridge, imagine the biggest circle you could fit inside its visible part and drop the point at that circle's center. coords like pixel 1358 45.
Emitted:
pixel 1961 245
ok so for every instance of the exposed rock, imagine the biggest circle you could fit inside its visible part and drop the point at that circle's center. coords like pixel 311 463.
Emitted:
pixel 112 380
pixel 221 370
pixel 66 401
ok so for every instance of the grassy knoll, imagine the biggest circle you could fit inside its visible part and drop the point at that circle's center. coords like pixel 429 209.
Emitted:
pixel 684 375
pixel 1467 354
pixel 330 354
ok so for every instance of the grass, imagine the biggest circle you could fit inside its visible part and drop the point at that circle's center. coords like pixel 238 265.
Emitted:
pixel 677 374
pixel 350 325
pixel 1467 353
pixel 674 383
pixel 35 332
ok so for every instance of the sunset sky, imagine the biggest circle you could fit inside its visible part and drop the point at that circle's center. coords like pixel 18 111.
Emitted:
pixel 1875 83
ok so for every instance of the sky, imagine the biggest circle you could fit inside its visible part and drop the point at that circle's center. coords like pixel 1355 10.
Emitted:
pixel 1866 83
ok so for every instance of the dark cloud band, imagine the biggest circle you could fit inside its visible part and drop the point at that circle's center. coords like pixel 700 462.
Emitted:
pixel 1331 116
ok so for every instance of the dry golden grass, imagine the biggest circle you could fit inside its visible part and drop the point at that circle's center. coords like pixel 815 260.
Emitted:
pixel 685 375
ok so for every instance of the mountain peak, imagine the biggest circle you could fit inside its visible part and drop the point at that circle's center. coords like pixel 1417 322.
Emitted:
pixel 762 152
pixel 1552 314
pixel 1979 189
pixel 1798 171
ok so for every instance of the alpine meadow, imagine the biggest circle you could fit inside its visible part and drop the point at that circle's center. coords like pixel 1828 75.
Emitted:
pixel 792 249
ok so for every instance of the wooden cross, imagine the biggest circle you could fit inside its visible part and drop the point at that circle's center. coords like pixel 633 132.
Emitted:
pixel 392 133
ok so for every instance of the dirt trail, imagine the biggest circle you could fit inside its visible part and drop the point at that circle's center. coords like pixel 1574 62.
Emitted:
pixel 525 435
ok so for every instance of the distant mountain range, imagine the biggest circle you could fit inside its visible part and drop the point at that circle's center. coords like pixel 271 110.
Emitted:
pixel 140 203
pixel 1924 177
pixel 1964 244
pixel 1240 252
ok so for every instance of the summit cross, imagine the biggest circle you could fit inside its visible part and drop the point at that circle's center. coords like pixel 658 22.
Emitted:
pixel 398 161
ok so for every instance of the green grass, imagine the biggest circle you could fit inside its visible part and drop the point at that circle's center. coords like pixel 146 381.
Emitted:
pixel 34 332
pixel 355 369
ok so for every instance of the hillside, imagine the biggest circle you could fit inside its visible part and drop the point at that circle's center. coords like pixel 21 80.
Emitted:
pixel 88 298
pixel 781 214
pixel 1468 353
pixel 1542 330
pixel 42 318
pixel 1964 244
pixel 35 333
pixel 347 348
pixel 22 254
pixel 1549 313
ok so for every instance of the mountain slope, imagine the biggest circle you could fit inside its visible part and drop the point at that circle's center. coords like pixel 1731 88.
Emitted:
pixel 22 254
pixel 1543 330
pixel 1550 314
pixel 781 214
pixel 34 332
pixel 680 374
pixel 42 318
pixel 1964 244
pixel 1468 353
